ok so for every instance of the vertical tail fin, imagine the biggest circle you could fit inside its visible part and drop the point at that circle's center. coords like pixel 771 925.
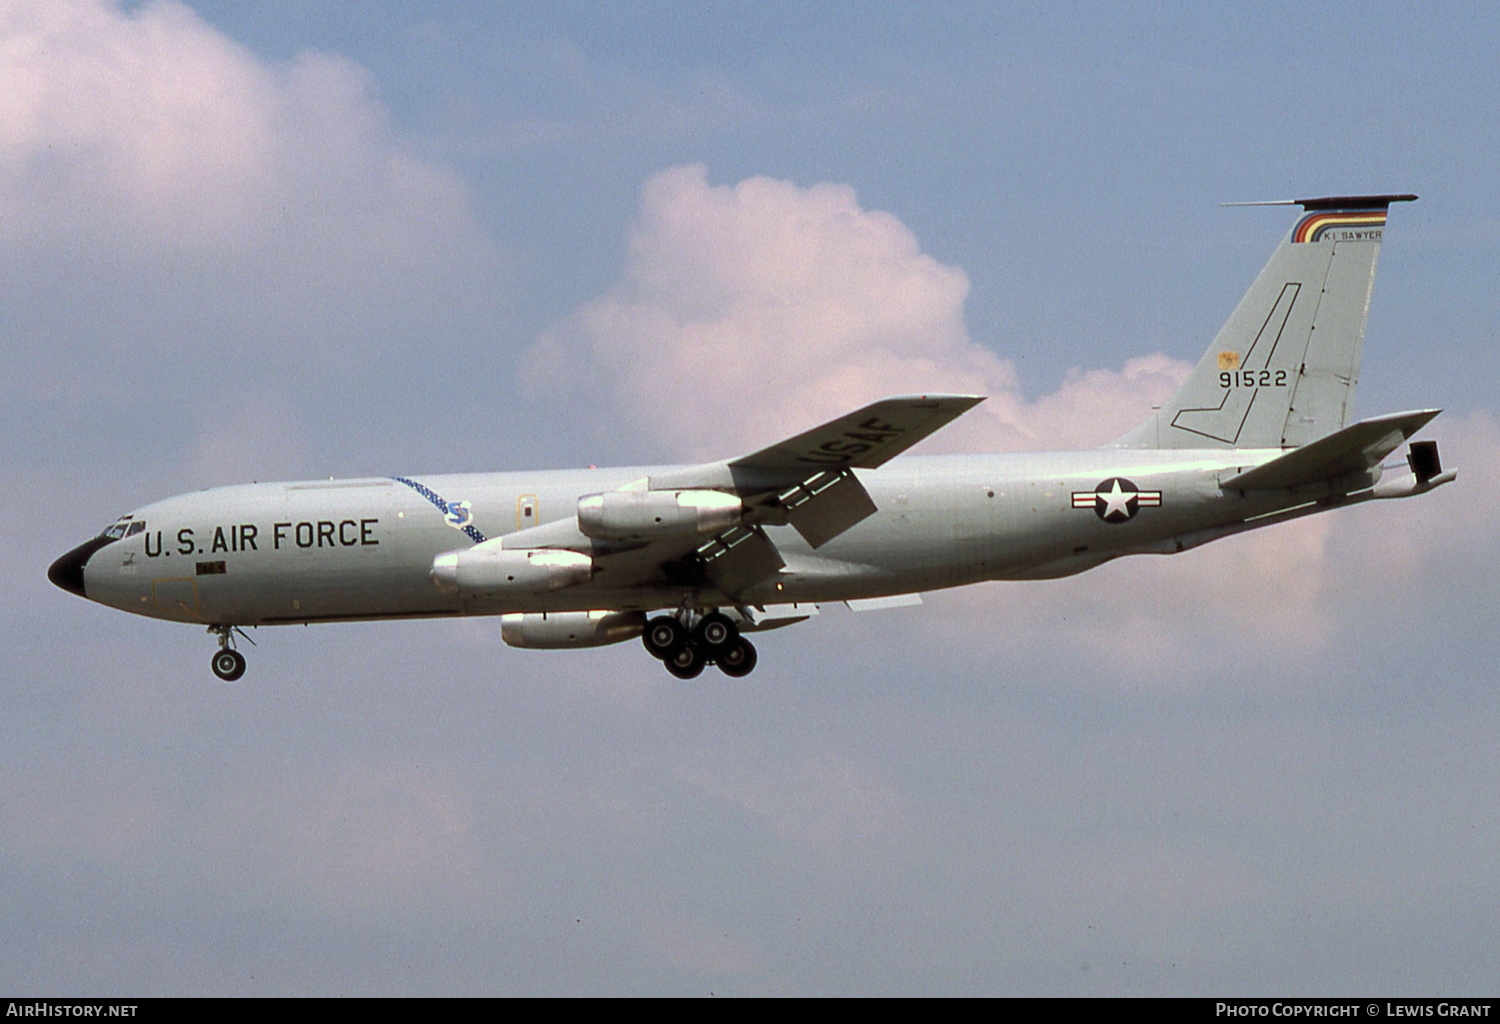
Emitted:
pixel 1282 371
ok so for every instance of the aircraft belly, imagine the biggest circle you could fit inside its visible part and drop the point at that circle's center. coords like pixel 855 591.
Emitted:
pixel 966 531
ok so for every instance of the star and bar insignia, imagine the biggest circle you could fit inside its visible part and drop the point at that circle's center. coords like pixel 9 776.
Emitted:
pixel 1116 500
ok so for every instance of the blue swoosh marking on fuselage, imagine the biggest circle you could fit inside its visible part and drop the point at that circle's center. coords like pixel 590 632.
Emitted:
pixel 439 503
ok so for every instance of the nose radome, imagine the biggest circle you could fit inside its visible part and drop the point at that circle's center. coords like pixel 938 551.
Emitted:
pixel 67 571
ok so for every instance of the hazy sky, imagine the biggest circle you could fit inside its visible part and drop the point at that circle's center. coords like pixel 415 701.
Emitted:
pixel 281 240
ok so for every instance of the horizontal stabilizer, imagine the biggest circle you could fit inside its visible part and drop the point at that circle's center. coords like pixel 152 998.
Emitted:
pixel 862 439
pixel 1354 449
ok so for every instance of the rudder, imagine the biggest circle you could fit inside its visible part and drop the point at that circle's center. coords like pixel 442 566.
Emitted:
pixel 1283 369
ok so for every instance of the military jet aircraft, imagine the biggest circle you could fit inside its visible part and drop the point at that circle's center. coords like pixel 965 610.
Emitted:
pixel 692 558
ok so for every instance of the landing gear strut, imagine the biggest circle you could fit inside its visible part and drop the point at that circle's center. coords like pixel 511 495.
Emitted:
pixel 714 640
pixel 228 663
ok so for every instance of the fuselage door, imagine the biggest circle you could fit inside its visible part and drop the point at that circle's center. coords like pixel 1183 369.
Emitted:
pixel 528 512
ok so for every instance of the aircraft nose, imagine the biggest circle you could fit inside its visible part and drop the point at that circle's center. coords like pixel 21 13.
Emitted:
pixel 67 571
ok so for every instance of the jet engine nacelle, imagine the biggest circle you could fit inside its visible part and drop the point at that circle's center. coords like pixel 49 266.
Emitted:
pixel 558 630
pixel 647 515
pixel 490 569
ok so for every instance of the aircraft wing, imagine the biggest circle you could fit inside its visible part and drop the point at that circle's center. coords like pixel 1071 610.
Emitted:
pixel 1357 448
pixel 862 439
pixel 806 481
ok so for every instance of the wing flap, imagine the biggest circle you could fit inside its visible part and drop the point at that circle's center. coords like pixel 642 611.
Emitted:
pixel 738 559
pixel 1357 448
pixel 824 506
pixel 880 604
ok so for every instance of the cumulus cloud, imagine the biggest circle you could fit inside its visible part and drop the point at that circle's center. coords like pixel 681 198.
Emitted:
pixel 181 217
pixel 746 312
pixel 1153 620
pixel 1302 587
pixel 153 124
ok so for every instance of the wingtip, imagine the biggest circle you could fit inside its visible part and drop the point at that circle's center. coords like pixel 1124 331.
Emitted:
pixel 937 397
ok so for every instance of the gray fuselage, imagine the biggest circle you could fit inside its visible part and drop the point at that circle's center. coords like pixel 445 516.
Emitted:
pixel 272 553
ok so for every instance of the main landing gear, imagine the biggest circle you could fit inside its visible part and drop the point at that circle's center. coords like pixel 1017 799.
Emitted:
pixel 715 640
pixel 228 663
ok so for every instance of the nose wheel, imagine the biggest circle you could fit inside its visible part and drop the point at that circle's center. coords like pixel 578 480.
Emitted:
pixel 228 664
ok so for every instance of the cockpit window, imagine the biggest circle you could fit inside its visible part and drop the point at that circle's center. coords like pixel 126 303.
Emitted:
pixel 117 531
pixel 136 527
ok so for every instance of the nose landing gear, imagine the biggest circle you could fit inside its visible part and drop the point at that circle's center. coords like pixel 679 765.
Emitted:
pixel 228 664
pixel 714 640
